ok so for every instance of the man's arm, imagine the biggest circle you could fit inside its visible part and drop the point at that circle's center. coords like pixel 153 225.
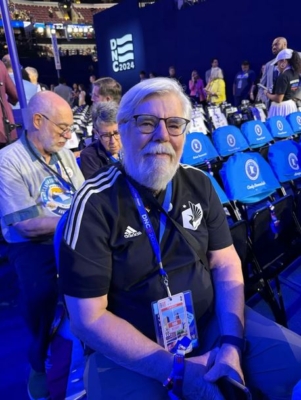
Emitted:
pixel 119 341
pixel 116 339
pixel 229 306
pixel 37 226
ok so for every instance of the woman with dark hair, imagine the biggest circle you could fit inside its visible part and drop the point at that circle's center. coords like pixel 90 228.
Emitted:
pixel 289 66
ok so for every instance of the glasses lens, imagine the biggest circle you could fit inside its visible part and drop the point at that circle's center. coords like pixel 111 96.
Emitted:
pixel 107 136
pixel 147 123
pixel 176 126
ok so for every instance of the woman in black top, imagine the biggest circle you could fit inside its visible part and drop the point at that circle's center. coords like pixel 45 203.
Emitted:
pixel 289 66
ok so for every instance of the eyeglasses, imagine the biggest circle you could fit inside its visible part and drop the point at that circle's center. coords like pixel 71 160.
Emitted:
pixel 64 131
pixel 106 137
pixel 147 124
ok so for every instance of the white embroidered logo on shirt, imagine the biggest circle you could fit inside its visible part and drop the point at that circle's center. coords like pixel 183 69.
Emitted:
pixel 192 217
pixel 131 232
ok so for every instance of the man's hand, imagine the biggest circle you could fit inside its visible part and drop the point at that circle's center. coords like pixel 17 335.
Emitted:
pixel 195 387
pixel 224 361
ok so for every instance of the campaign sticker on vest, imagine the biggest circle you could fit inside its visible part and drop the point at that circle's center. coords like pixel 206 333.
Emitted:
pixel 231 140
pixel 192 217
pixel 293 161
pixel 252 170
pixel 298 119
pixel 53 197
pixel 196 145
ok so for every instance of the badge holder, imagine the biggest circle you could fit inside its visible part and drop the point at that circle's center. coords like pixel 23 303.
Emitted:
pixel 175 322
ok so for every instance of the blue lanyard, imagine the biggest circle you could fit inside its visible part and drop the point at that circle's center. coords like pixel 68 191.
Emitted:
pixel 150 230
pixel 113 159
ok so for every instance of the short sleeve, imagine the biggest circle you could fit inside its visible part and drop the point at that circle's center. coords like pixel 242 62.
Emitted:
pixel 16 203
pixel 85 260
pixel 282 84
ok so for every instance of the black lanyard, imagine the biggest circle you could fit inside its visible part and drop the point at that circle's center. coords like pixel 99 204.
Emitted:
pixel 59 176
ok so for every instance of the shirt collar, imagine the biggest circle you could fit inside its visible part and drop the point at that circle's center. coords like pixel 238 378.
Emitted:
pixel 34 152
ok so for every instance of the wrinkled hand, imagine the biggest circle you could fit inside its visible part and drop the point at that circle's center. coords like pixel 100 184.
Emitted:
pixel 195 387
pixel 224 361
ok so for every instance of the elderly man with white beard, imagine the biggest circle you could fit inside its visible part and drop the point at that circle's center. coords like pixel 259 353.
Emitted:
pixel 147 260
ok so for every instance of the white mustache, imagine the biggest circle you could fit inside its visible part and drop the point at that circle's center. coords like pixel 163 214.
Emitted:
pixel 152 148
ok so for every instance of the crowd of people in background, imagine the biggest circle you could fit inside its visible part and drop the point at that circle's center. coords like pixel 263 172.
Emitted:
pixel 156 117
pixel 280 78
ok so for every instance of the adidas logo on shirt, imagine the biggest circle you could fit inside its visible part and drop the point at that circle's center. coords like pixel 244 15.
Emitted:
pixel 130 232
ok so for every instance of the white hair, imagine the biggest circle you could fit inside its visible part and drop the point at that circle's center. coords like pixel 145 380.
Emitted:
pixel 145 89
pixel 216 73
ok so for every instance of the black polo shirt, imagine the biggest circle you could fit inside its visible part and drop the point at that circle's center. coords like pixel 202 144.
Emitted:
pixel 287 84
pixel 106 250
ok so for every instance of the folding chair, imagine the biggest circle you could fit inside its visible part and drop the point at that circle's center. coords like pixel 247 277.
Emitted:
pixel 270 216
pixel 285 160
pixel 294 120
pixel 279 127
pixel 228 140
pixel 200 152
pixel 257 136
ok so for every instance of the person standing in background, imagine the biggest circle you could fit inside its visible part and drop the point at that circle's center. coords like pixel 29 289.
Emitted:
pixel 81 95
pixel 8 94
pixel 214 64
pixel 289 66
pixel 243 83
pixel 63 90
pixel 271 73
pixel 216 88
pixel 196 87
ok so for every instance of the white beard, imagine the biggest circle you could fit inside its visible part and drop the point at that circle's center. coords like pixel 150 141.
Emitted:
pixel 152 172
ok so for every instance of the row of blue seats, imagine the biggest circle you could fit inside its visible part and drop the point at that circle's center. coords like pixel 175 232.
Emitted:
pixel 246 175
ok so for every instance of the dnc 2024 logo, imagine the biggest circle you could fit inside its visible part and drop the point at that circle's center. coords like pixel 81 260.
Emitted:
pixel 122 52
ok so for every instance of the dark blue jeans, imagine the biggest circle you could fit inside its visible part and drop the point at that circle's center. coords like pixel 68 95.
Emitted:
pixel 37 275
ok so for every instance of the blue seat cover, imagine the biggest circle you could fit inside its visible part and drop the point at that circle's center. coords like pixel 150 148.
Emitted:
pixel 256 133
pixel 220 192
pixel 285 159
pixel 279 127
pixel 198 149
pixel 294 120
pixel 229 140
pixel 247 177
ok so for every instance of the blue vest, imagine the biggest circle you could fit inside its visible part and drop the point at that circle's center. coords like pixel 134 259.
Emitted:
pixel 294 120
pixel 285 159
pixel 279 127
pixel 256 133
pixel 247 177
pixel 229 140
pixel 198 149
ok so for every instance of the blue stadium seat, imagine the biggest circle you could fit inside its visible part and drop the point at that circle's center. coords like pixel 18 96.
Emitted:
pixel 285 159
pixel 220 192
pixel 229 140
pixel 198 149
pixel 279 127
pixel 294 120
pixel 248 178
pixel 256 133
